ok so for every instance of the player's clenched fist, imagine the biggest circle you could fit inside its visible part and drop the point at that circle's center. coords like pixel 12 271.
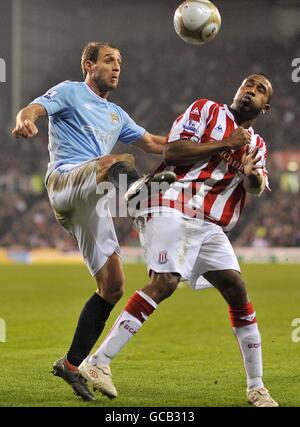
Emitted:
pixel 25 129
pixel 239 138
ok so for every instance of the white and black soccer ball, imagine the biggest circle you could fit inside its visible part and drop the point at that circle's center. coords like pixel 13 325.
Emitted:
pixel 197 21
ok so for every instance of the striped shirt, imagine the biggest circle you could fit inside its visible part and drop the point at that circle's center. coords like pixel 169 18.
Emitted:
pixel 213 187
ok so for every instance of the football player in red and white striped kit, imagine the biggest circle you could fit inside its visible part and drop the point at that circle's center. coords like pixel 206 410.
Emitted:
pixel 218 158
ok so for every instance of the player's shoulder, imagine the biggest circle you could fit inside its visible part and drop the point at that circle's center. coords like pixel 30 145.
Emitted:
pixel 66 86
pixel 67 83
pixel 204 104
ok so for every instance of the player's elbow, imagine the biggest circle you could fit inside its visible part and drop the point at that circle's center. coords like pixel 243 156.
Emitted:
pixel 170 155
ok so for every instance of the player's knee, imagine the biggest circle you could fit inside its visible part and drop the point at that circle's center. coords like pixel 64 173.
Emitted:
pixel 127 158
pixel 236 290
pixel 164 284
pixel 112 291
pixel 106 162
pixel 116 294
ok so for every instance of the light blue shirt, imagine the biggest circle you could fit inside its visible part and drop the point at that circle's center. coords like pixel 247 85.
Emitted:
pixel 82 125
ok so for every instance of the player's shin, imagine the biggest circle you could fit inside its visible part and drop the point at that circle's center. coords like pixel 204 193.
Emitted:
pixel 244 325
pixel 90 325
pixel 122 175
pixel 137 310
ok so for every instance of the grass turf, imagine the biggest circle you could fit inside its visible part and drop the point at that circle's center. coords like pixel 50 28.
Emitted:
pixel 185 355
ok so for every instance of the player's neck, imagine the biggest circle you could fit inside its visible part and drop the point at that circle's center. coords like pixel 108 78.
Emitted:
pixel 241 119
pixel 91 84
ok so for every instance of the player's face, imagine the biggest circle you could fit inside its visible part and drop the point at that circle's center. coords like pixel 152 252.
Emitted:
pixel 106 71
pixel 253 95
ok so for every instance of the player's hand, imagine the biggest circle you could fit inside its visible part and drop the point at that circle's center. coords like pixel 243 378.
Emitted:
pixel 25 129
pixel 250 160
pixel 239 138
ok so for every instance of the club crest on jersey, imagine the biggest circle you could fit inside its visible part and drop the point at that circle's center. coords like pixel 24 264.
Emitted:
pixel 162 257
pixel 114 117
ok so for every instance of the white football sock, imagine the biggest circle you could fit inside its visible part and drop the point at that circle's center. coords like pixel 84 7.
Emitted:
pixel 123 330
pixel 249 340
pixel 125 327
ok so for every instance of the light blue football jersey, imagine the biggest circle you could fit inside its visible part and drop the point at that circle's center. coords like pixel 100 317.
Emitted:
pixel 82 125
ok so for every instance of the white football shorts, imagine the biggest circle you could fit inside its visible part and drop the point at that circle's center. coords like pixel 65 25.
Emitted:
pixel 72 191
pixel 188 246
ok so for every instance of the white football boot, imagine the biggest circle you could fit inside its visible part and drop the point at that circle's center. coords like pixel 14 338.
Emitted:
pixel 260 396
pixel 100 377
pixel 145 182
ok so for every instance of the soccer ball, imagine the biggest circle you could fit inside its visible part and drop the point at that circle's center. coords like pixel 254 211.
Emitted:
pixel 197 21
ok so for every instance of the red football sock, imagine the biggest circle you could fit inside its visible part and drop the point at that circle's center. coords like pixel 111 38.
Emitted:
pixel 242 316
pixel 138 307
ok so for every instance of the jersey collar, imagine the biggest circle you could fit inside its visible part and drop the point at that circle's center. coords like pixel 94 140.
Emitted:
pixel 93 93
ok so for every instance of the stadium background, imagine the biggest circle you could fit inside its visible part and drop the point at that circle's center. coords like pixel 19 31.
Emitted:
pixel 41 43
pixel 161 76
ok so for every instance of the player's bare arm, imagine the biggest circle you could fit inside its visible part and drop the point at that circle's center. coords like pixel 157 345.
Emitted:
pixel 254 181
pixel 150 143
pixel 25 121
pixel 185 152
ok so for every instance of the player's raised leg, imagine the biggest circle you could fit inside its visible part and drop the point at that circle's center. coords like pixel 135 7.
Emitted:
pixel 139 307
pixel 134 184
pixel 245 328
pixel 74 198
pixel 120 170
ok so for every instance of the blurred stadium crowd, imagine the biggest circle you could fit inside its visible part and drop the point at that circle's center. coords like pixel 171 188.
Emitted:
pixel 167 85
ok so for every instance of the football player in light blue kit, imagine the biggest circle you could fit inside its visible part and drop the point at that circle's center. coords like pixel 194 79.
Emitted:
pixel 83 128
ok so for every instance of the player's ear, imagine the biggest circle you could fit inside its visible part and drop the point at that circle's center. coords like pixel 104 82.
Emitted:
pixel 265 108
pixel 88 65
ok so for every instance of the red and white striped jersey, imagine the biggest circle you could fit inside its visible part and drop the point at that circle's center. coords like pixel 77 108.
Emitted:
pixel 213 187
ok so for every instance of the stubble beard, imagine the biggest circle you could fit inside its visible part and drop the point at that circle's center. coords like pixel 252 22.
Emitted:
pixel 247 111
pixel 102 86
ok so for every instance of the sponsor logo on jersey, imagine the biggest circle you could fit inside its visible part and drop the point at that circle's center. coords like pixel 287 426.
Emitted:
pixel 115 117
pixel 219 128
pixel 235 163
pixel 50 94
pixel 195 111
pixel 162 257
pixel 98 134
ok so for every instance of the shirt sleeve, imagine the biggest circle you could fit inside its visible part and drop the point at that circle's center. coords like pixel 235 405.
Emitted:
pixel 55 100
pixel 192 124
pixel 130 131
pixel 263 153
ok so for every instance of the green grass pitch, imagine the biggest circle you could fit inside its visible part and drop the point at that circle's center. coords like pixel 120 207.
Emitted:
pixel 185 355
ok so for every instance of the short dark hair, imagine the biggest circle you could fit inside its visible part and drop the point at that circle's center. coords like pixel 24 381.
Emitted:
pixel 91 53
